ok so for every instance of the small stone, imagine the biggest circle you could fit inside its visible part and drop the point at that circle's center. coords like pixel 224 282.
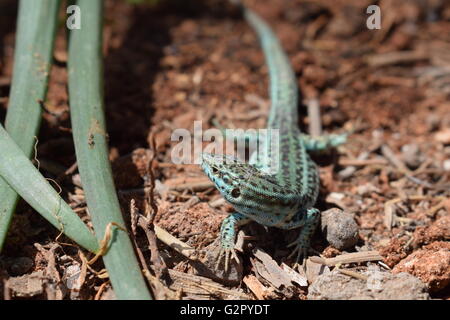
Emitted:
pixel 232 276
pixel 339 228
pixel 380 285
pixel 27 286
pixel 412 155
pixel 72 276
pixel 433 121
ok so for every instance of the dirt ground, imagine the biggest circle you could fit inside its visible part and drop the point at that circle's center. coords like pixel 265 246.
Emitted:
pixel 171 64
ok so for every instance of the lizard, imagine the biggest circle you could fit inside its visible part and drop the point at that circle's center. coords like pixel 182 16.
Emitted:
pixel 284 199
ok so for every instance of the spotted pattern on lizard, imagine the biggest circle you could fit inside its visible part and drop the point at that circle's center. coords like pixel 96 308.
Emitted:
pixel 286 198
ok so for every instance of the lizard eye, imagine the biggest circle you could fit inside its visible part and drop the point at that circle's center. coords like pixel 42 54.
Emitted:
pixel 235 193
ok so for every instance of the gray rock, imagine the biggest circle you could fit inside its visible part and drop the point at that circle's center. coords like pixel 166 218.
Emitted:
pixel 339 228
pixel 380 285
pixel 27 286
pixel 206 268
pixel 412 155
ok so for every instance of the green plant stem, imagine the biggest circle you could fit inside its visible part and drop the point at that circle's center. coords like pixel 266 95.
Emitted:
pixel 20 173
pixel 88 125
pixel 37 21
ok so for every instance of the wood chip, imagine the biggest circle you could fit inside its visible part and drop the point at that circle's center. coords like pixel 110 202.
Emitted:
pixel 270 270
pixel 315 124
pixel 195 186
pixel 390 58
pixel 175 244
pixel 390 155
pixel 362 162
pixel 389 213
pixel 190 203
pixel 200 287
pixel 255 286
pixel 297 277
pixel 350 170
pixel 315 269
pixel 353 274
pixel 217 203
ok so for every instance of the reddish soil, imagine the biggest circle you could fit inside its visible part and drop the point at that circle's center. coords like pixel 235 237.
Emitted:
pixel 171 64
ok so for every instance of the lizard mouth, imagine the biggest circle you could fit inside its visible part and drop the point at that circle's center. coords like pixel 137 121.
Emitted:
pixel 209 167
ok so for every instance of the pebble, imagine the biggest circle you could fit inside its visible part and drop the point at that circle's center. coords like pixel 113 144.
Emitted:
pixel 27 286
pixel 339 228
pixel 232 276
pixel 72 276
pixel 433 121
pixel 412 155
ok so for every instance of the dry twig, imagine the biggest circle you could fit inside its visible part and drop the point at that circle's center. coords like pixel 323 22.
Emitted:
pixel 354 257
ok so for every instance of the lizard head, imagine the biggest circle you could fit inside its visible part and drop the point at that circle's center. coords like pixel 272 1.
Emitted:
pixel 241 184
pixel 228 175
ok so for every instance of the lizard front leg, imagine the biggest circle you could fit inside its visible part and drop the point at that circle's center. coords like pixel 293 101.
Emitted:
pixel 308 221
pixel 227 237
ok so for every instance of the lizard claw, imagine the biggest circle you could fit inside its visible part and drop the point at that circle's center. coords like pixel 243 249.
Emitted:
pixel 225 252
pixel 301 250
pixel 227 239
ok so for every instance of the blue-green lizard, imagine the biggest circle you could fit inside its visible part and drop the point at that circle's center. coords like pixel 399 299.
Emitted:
pixel 286 198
